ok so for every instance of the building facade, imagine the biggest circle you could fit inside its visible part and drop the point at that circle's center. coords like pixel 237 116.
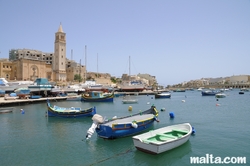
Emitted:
pixel 28 64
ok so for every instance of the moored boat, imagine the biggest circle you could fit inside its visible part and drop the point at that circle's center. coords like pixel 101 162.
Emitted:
pixel 220 95
pixel 162 95
pixel 123 126
pixel 163 139
pixel 71 112
pixel 97 96
pixel 22 92
pixel 209 93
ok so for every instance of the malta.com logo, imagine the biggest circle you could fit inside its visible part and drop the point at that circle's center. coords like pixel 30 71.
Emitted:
pixel 210 159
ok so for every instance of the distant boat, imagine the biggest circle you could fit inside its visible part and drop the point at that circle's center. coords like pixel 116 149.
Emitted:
pixel 129 100
pixel 2 93
pixel 71 112
pixel 97 96
pixel 241 92
pixel 220 95
pixel 73 97
pixel 163 139
pixel 35 97
pixel 162 95
pixel 22 92
pixel 41 84
pixel 209 93
pixel 122 126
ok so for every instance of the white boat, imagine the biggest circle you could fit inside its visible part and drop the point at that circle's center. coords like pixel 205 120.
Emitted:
pixel 163 139
pixel 220 95
pixel 128 100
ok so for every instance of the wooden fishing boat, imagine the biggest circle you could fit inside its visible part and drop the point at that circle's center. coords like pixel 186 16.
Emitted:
pixel 163 139
pixel 123 126
pixel 209 93
pixel 97 96
pixel 162 95
pixel 72 112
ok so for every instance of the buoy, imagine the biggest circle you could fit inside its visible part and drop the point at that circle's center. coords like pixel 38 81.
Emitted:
pixel 183 101
pixel 193 130
pixel 217 99
pixel 163 109
pixel 130 108
pixel 22 111
pixel 148 102
pixel 217 104
pixel 171 114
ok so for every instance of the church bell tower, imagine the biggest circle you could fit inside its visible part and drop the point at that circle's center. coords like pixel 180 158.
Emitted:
pixel 59 59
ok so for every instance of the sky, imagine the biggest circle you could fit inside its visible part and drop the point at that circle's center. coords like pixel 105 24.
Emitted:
pixel 174 40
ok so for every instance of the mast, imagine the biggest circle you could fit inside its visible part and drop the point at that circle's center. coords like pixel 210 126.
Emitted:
pixel 80 71
pixel 71 54
pixel 97 65
pixel 129 66
pixel 85 75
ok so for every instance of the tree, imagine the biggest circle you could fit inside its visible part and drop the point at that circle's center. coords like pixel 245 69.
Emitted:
pixel 78 77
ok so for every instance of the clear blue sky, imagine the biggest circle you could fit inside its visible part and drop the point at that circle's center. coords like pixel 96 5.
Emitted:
pixel 174 40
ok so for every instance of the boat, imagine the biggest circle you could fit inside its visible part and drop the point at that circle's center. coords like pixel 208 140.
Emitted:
pixel 22 92
pixel 244 89
pixel 97 96
pixel 241 92
pixel 123 126
pixel 73 97
pixel 162 95
pixel 71 112
pixel 220 95
pixel 41 84
pixel 209 93
pixel 11 96
pixel 163 139
pixel 2 93
pixel 128 100
pixel 11 86
pixel 6 110
pixel 35 96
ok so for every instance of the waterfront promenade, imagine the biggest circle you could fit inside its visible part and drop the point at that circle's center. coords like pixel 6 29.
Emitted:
pixel 4 102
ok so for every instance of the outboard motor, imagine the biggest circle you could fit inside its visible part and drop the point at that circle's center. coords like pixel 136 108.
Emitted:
pixel 96 120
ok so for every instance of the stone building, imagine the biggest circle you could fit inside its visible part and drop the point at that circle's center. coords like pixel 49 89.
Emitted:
pixel 28 64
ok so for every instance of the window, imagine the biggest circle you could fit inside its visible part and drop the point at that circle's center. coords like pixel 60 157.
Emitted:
pixel 3 66
pixel 62 49
pixel 62 63
pixel 62 56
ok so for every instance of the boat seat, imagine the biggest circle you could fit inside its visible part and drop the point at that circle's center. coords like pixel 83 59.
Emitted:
pixel 167 135
pixel 180 131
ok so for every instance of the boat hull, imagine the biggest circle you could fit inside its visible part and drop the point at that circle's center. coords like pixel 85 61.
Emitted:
pixel 52 112
pixel 157 147
pixel 122 130
pixel 162 96
pixel 97 97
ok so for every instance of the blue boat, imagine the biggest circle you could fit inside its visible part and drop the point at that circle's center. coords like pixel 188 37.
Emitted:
pixel 35 96
pixel 72 112
pixel 209 93
pixel 97 96
pixel 2 93
pixel 123 126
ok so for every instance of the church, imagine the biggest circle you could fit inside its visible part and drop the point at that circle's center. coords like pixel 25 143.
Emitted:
pixel 27 64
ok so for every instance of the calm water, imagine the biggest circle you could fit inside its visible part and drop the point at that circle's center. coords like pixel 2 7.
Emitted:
pixel 34 139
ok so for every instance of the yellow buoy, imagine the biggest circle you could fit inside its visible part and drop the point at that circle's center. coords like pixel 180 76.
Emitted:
pixel 130 108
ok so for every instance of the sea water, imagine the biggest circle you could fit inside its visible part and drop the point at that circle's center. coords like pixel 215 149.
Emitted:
pixel 222 129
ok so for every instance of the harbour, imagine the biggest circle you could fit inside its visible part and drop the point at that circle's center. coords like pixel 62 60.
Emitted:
pixel 32 138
